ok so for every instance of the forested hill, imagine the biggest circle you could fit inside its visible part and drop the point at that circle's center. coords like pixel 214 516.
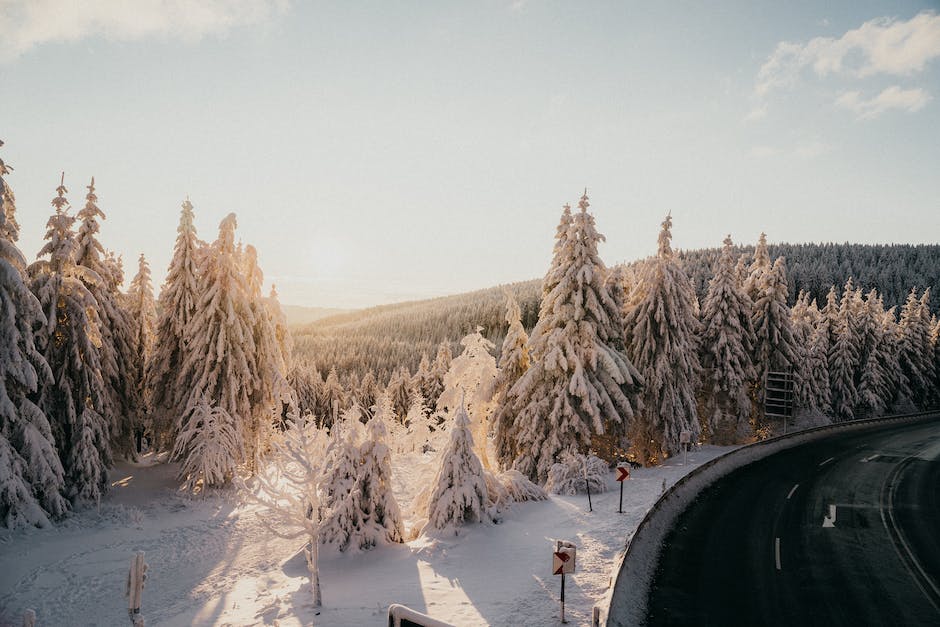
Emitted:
pixel 383 338
pixel 386 337
pixel 892 268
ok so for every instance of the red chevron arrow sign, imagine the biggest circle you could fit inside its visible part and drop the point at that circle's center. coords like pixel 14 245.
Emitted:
pixel 563 561
pixel 623 473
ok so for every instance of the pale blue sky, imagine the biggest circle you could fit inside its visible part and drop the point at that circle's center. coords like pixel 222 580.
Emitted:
pixel 394 150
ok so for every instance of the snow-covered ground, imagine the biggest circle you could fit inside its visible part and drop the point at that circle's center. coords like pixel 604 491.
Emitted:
pixel 212 562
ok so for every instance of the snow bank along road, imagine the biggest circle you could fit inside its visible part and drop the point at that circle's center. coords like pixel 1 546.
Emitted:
pixel 841 531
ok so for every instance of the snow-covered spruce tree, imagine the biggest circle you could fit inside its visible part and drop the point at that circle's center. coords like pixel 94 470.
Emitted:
pixel 418 422
pixel 103 277
pixel 178 299
pixel 472 377
pixel 271 390
pixel 754 278
pixel 459 495
pixel 662 332
pixel 935 346
pixel 288 491
pixel 726 348
pixel 75 397
pixel 438 369
pixel 143 313
pixel 285 399
pixel 31 475
pixel 209 446
pixel 915 339
pixel 580 383
pixel 381 517
pixel 399 392
pixel 930 372
pixel 844 357
pixel 775 347
pixel 340 495
pixel 369 392
pixel 874 380
pixel 330 394
pixel 423 380
pixel 219 364
pixel 811 370
pixel 514 353
pixel 900 397
pixel 818 356
pixel 305 385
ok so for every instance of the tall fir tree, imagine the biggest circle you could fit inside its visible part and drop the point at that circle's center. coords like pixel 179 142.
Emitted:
pixel 915 341
pixel 844 357
pixel 662 332
pixel 775 348
pixel 76 397
pixel 117 353
pixel 399 392
pixel 178 299
pixel 580 383
pixel 726 348
pixel 330 394
pixel 31 476
pixel 514 360
pixel 219 366
pixel 143 313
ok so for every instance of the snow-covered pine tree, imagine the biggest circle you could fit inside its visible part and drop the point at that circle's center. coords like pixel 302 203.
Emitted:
pixel 178 299
pixel 418 422
pixel 775 348
pixel 930 372
pixel 143 313
pixel 285 399
pixel 219 364
pixel 329 394
pixel 513 362
pixel 438 369
pixel 31 475
pixel 874 380
pixel 340 495
pixel 399 392
pixel 580 383
pixel 935 346
pixel 369 393
pixel 817 354
pixel 514 353
pixel 423 379
pixel 915 341
pixel 117 353
pixel 459 495
pixel 75 397
pixel 900 396
pixel 760 266
pixel 844 357
pixel 662 330
pixel 271 390
pixel 209 446
pixel 726 348
pixel 302 381
pixel 381 517
pixel 811 370
pixel 472 377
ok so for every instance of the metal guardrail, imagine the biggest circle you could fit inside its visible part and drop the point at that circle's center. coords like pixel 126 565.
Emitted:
pixel 629 591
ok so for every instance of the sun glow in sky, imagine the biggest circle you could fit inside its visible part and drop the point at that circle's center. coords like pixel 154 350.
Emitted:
pixel 386 151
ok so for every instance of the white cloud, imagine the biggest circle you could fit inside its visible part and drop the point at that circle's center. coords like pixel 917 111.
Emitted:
pixel 26 24
pixel 879 46
pixel 893 97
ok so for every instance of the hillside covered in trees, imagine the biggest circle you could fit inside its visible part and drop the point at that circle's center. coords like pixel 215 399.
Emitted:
pixel 381 339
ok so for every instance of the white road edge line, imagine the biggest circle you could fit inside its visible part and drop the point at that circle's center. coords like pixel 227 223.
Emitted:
pixel 792 490
pixel 827 461
pixel 777 551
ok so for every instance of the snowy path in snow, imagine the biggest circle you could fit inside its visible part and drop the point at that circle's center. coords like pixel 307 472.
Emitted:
pixel 212 562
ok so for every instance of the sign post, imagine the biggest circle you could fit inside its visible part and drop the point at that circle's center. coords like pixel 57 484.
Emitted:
pixel 623 473
pixel 563 560
pixel 587 484
pixel 685 437
pixel 135 586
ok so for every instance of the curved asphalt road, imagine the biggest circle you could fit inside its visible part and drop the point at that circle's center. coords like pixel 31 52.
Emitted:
pixel 757 548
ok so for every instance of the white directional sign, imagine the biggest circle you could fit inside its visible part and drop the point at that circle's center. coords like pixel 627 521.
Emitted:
pixel 563 559
pixel 685 437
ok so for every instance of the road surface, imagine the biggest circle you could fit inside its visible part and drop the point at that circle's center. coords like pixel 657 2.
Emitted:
pixel 843 531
